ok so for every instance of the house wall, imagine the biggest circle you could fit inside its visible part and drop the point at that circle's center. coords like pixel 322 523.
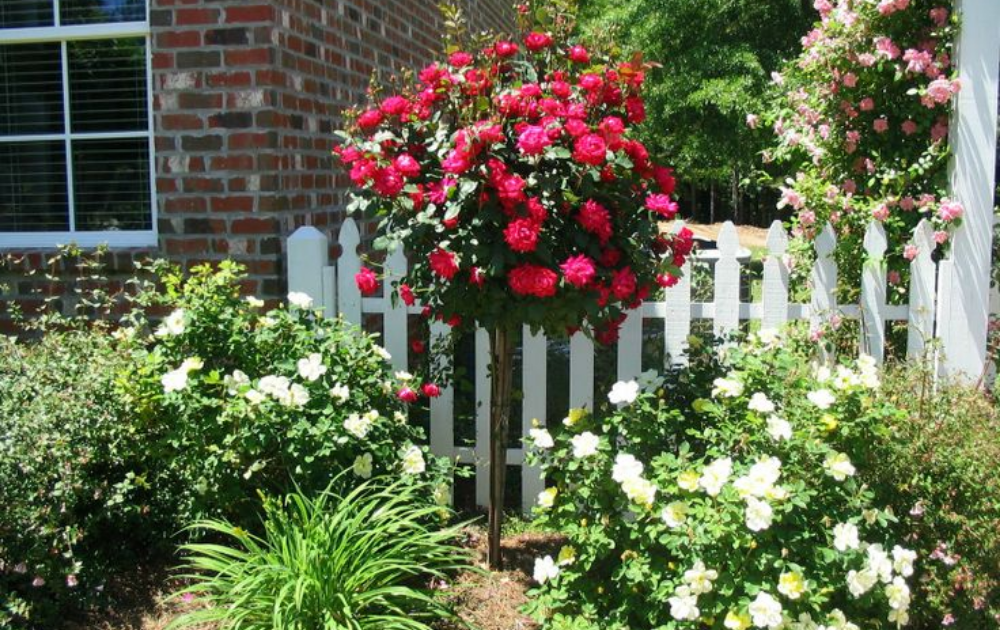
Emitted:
pixel 246 96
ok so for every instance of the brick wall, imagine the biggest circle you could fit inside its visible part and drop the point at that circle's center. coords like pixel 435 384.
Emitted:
pixel 247 95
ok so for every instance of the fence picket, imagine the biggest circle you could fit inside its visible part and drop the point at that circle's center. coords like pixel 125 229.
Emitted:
pixel 920 325
pixel 630 346
pixel 727 281
pixel 348 265
pixel 873 292
pixel 534 376
pixel 823 280
pixel 775 286
pixel 581 371
pixel 308 252
pixel 442 429
pixel 395 327
pixel 677 323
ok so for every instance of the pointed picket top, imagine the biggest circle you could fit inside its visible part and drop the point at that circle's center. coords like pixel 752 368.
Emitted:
pixel 873 292
pixel 823 280
pixel 348 265
pixel 395 328
pixel 727 281
pixel 775 286
pixel 923 274
pixel 826 241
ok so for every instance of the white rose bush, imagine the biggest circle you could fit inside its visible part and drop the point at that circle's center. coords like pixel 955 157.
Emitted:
pixel 726 494
pixel 245 399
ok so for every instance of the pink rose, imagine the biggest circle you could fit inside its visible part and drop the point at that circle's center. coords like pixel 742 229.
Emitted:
pixel 388 182
pixel 910 252
pixel 939 15
pixel 533 140
pixel 662 205
pixel 407 165
pixel 460 59
pixel 579 54
pixel 367 281
pixel 940 237
pixel 407 395
pixel 395 106
pixel 850 79
pixel 906 203
pixel 590 149
pixel 867 104
pixel 536 41
pixel 881 212
pixel 909 127
pixel 505 49
pixel 885 47
pixel 807 218
pixel 430 390
pixel 578 270
pixel 950 210
pixel 369 119
pixel 881 125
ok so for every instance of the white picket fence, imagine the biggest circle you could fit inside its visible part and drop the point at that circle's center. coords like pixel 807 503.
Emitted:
pixel 333 287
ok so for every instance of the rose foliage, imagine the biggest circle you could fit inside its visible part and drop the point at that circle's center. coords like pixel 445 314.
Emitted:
pixel 724 495
pixel 863 124
pixel 514 182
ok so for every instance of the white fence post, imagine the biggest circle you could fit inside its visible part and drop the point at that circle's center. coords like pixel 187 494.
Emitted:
pixel 630 346
pixel 348 266
pixel 308 255
pixel 677 323
pixel 727 281
pixel 775 287
pixel 395 325
pixel 534 383
pixel 963 307
pixel 920 323
pixel 823 300
pixel 581 372
pixel 873 291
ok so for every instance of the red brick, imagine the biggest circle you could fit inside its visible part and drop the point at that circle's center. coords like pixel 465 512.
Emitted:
pixel 189 17
pixel 166 185
pixel 202 184
pixel 179 122
pixel 178 39
pixel 185 204
pixel 230 79
pixel 232 204
pixel 163 60
pixel 249 140
pixel 186 245
pixel 248 57
pixel 241 162
pixel 249 13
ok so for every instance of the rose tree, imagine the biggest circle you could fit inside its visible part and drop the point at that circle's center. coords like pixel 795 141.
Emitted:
pixel 514 182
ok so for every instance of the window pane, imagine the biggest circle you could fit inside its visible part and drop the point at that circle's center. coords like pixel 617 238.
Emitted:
pixel 30 89
pixel 107 85
pixel 23 13
pixel 111 184
pixel 33 187
pixel 97 11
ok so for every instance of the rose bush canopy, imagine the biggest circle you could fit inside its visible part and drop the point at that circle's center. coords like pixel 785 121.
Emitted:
pixel 514 182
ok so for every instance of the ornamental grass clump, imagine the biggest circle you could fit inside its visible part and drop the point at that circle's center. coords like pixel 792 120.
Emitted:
pixel 356 561
pixel 725 494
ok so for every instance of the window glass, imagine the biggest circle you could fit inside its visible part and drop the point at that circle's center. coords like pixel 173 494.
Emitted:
pixel 111 184
pixel 107 85
pixel 30 89
pixel 33 195
pixel 101 11
pixel 25 13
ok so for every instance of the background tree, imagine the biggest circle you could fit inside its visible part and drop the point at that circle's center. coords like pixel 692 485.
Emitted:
pixel 717 57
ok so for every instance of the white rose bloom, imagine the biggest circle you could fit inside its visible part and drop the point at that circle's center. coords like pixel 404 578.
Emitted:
pixel 715 476
pixel 860 582
pixel 640 491
pixel 623 392
pixel 299 299
pixel 311 367
pixel 174 380
pixel 254 302
pixel 902 560
pixel 845 378
pixel 845 536
pixel 541 438
pixel 839 466
pixel 779 428
pixel 699 578
pixel 254 396
pixel 274 386
pixel 413 460
pixel 403 376
pixel 545 569
pixel 899 617
pixel 298 396
pixel 400 417
pixel 766 611
pixel 758 514
pixel 898 594
pixel 585 444
pixel 235 382
pixel 867 363
pixel 822 398
pixel 358 426
pixel 442 494
pixel 674 514
pixel 267 322
pixel 768 336
pixel 760 403
pixel 173 324
pixel 649 380
pixel 823 374
pixel 791 584
pixel 192 363
pixel 879 562
pixel 363 466
pixel 382 352
pixel 684 605
pixel 626 467
pixel 760 479
pixel 340 393
pixel 726 388
pixel 837 621
pixel 547 497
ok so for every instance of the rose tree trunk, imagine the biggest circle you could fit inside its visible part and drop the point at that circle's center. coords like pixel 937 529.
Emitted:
pixel 502 376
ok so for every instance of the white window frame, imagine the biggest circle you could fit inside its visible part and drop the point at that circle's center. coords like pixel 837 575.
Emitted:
pixel 62 35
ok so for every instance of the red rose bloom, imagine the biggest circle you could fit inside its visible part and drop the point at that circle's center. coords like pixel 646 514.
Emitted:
pixel 443 263
pixel 667 280
pixel 623 283
pixel 665 179
pixel 407 395
pixel 510 189
pixel 363 171
pixel 430 390
pixel 578 270
pixel 561 89
pixel 590 149
pixel 367 281
pixel 536 41
pixel 635 109
pixel 591 82
pixel 579 54
pixel 533 140
pixel 662 205
pixel 683 242
pixel 522 235
pixel 406 294
pixel 418 346
pixel 477 276
pixel 370 119
pixel 505 49
pixel 460 59
pixel 457 162
pixel 576 127
pixel 596 219
pixel 535 280
pixel 407 165
pixel 395 106
pixel 388 182
pixel 537 211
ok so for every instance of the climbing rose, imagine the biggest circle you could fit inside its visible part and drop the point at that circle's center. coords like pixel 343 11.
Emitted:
pixel 579 54
pixel 522 235
pixel 443 263
pixel 590 149
pixel 596 219
pixel 662 204
pixel 536 41
pixel 533 140
pixel 367 281
pixel 579 270
pixel 623 283
pixel 528 279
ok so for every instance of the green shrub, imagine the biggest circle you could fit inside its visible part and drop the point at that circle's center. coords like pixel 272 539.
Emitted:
pixel 354 561
pixel 71 489
pixel 238 400
pixel 938 466
pixel 723 495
